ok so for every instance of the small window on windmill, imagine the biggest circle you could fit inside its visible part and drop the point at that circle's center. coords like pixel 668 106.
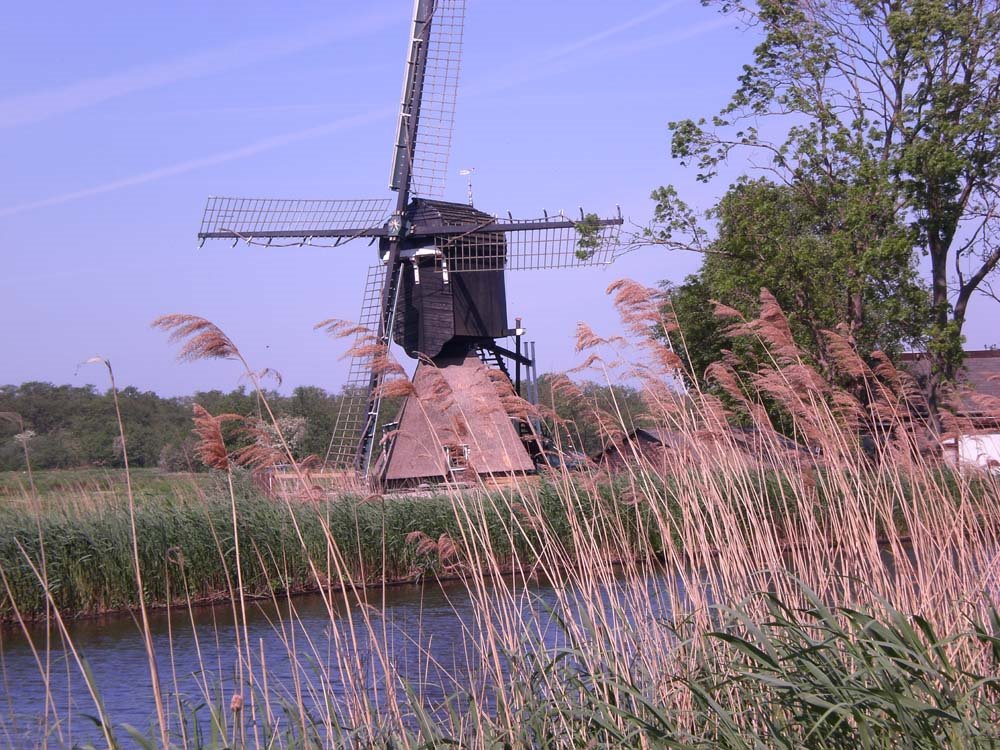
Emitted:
pixel 458 457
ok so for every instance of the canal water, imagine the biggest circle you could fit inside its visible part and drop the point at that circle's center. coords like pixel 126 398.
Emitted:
pixel 430 631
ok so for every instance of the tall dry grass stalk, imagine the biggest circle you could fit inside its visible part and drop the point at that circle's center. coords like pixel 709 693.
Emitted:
pixel 147 634
pixel 199 339
pixel 23 437
pixel 677 574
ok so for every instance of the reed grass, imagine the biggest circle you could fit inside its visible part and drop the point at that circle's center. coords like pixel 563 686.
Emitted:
pixel 706 596
pixel 89 562
pixel 88 559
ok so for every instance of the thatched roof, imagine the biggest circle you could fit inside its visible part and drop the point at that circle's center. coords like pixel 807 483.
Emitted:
pixel 457 410
pixel 978 381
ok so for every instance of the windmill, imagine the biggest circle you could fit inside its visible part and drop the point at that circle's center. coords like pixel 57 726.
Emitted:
pixel 438 288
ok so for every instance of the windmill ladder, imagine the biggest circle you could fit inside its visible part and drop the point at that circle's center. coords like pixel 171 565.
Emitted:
pixel 355 410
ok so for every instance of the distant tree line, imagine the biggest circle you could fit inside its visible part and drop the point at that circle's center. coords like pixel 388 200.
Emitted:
pixel 73 426
pixel 70 426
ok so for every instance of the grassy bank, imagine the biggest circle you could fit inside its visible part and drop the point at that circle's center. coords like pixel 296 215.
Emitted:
pixel 76 533
pixel 187 547
pixel 79 540
pixel 71 489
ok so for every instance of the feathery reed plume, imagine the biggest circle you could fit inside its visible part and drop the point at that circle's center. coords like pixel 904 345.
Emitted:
pixel 883 387
pixel 799 390
pixel 910 390
pixel 668 315
pixel 363 349
pixel 664 356
pixel 586 338
pixel 723 311
pixel 589 362
pixel 211 447
pixel 660 397
pixel 885 370
pixel 770 327
pixel 395 388
pixel 723 374
pixel 844 354
pixel 952 421
pixel 261 454
pixel 424 545
pixel 367 346
pixel 988 405
pixel 439 391
pixel 638 305
pixel 498 378
pixel 512 404
pixel 386 365
pixel 804 379
pixel 380 360
pixel 444 548
pixel 774 329
pixel 846 409
pixel 339 328
pixel 270 372
pixel 201 338
pixel 447 550
pixel 710 409
pixel 563 386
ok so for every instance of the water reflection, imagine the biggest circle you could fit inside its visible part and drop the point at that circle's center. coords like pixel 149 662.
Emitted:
pixel 431 631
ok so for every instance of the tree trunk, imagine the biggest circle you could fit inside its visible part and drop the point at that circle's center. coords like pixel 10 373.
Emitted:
pixel 941 369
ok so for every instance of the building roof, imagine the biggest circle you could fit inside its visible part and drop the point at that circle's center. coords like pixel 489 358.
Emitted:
pixel 750 440
pixel 456 408
pixel 980 374
pixel 444 212
pixel 982 371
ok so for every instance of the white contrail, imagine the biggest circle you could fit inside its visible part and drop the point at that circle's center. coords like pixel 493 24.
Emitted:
pixel 557 61
pixel 344 123
pixel 668 37
pixel 29 108
pixel 529 72
pixel 612 30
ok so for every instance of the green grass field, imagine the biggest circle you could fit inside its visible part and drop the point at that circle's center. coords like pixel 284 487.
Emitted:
pixel 55 485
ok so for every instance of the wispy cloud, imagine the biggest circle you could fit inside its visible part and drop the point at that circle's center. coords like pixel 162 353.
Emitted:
pixel 557 61
pixel 34 107
pixel 611 31
pixel 674 36
pixel 564 58
pixel 268 144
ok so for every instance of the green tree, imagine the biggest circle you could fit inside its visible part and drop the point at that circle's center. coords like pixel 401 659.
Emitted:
pixel 582 408
pixel 823 266
pixel 895 99
pixel 320 409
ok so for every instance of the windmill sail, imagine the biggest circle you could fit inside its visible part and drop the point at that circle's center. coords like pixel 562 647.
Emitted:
pixel 273 218
pixel 430 88
pixel 550 242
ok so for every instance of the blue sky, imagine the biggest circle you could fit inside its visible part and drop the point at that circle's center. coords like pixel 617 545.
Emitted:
pixel 118 119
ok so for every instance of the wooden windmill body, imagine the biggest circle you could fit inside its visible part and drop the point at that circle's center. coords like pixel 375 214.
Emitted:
pixel 438 290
